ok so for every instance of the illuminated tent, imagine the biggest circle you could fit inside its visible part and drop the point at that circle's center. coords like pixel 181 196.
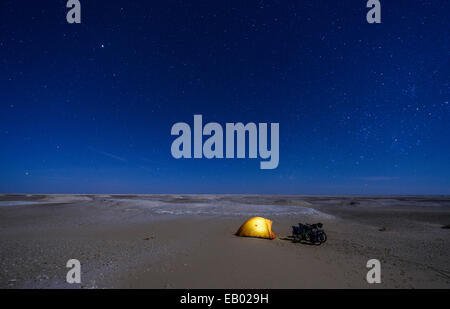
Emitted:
pixel 257 227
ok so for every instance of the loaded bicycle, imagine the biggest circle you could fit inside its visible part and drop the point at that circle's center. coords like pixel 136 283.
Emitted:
pixel 310 233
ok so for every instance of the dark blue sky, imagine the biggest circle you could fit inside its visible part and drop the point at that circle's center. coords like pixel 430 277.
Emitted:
pixel 87 108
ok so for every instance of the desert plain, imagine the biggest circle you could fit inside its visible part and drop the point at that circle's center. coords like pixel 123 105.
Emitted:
pixel 188 241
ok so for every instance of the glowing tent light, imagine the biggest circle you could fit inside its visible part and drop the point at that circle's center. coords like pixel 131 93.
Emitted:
pixel 257 227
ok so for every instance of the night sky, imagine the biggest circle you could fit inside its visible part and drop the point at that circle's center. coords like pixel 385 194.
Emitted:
pixel 87 108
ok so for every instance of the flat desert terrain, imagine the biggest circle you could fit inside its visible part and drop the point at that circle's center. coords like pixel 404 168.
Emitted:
pixel 188 241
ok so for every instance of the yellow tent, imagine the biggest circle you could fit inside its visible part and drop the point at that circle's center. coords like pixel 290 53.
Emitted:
pixel 257 227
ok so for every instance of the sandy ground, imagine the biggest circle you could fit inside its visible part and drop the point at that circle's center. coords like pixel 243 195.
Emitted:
pixel 187 241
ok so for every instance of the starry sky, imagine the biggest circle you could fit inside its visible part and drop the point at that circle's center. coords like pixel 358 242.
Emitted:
pixel 87 108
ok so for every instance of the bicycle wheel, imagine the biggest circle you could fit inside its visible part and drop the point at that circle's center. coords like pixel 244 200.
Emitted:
pixel 322 237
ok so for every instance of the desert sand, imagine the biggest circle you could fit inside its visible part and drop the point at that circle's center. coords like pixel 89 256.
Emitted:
pixel 188 241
